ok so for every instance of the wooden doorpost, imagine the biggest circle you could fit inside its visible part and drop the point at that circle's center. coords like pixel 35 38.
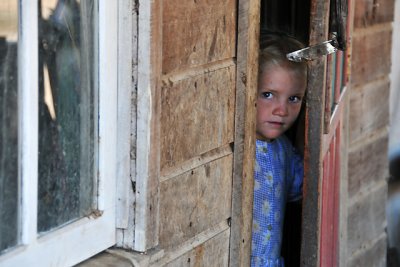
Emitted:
pixel 246 84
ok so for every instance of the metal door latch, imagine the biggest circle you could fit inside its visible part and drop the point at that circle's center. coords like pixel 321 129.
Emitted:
pixel 315 51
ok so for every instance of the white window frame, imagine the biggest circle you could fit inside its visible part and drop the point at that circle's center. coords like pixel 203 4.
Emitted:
pixel 87 236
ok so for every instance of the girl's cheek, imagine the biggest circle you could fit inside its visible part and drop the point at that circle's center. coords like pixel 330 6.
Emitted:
pixel 296 109
pixel 259 105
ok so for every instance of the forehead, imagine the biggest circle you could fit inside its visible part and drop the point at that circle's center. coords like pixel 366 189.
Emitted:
pixel 283 79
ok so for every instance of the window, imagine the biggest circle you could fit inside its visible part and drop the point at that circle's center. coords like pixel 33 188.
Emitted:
pixel 67 96
pixel 58 79
pixel 8 123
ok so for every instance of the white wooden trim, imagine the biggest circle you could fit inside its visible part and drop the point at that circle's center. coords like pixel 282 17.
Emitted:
pixel 108 14
pixel 125 114
pixel 88 236
pixel 144 115
pixel 28 118
pixel 66 246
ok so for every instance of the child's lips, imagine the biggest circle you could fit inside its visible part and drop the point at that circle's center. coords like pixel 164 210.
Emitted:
pixel 276 123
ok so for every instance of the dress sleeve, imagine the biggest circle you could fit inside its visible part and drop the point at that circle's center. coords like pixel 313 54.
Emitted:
pixel 295 191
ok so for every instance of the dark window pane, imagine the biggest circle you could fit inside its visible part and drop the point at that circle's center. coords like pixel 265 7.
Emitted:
pixel 8 123
pixel 66 111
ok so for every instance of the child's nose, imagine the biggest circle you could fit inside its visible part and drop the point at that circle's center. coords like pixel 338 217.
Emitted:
pixel 281 109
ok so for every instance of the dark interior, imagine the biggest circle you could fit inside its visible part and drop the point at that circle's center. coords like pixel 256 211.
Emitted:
pixel 290 17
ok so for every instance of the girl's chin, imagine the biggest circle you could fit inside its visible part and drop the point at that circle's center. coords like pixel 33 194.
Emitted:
pixel 268 136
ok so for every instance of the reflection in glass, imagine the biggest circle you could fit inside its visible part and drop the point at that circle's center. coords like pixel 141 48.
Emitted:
pixel 66 111
pixel 8 124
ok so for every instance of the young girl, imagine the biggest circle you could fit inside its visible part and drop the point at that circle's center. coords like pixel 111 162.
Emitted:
pixel 278 169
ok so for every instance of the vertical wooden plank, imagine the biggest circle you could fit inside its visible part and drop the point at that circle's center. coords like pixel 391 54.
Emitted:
pixel 326 212
pixel 313 143
pixel 344 141
pixel 126 157
pixel 331 203
pixel 124 100
pixel 246 84
pixel 343 189
pixel 336 196
pixel 148 112
pixel 329 250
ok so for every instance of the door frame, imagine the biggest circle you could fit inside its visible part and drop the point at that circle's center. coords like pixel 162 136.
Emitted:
pixel 248 33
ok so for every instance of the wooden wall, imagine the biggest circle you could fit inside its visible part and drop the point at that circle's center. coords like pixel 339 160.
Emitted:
pixel 195 133
pixel 368 120
pixel 196 130
pixel 194 153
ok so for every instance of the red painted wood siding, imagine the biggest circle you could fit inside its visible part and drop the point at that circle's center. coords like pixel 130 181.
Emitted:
pixel 330 203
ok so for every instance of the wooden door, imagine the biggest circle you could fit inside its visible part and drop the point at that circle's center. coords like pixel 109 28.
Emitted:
pixel 325 121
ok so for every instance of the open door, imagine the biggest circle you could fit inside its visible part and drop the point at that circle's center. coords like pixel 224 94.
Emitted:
pixel 335 94
pixel 326 102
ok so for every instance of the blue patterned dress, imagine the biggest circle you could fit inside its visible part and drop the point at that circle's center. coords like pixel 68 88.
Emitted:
pixel 278 178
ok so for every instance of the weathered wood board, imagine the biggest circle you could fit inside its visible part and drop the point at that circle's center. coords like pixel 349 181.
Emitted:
pixel 201 140
pixel 371 55
pixel 368 164
pixel 194 201
pixel 371 12
pixel 197 32
pixel 214 252
pixel 197 115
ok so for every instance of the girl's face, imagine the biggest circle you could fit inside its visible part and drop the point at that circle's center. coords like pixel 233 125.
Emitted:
pixel 279 98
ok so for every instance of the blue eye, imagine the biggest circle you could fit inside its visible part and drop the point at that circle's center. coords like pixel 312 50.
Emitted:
pixel 294 99
pixel 266 95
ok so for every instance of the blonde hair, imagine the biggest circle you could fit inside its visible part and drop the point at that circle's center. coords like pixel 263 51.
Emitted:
pixel 273 51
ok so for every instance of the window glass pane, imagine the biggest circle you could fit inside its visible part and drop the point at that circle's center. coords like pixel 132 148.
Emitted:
pixel 66 111
pixel 8 123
